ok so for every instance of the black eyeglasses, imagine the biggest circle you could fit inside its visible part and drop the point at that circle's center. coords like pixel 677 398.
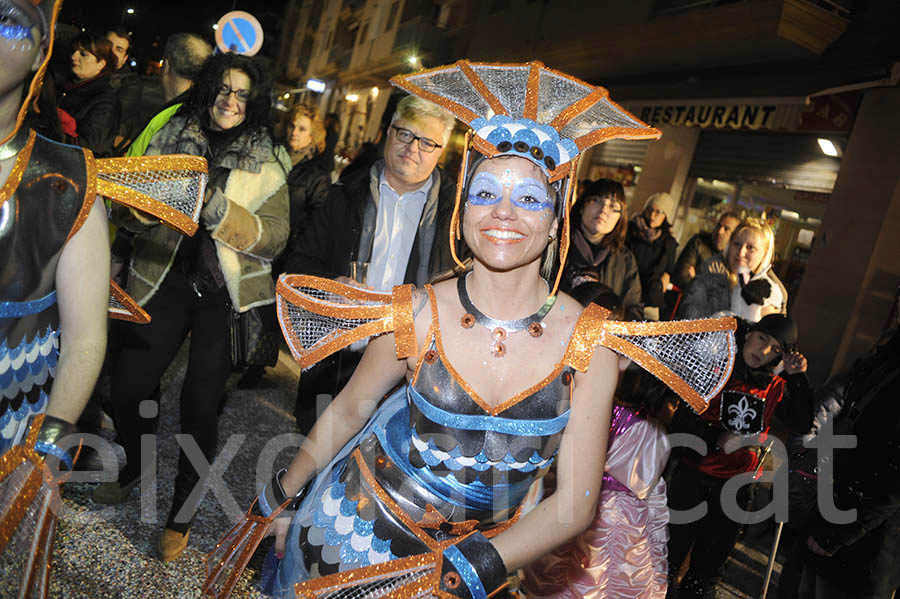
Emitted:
pixel 407 137
pixel 242 95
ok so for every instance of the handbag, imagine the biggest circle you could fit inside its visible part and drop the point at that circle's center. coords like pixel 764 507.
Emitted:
pixel 255 337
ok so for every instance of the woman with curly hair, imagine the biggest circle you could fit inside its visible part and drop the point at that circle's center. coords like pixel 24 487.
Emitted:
pixel 304 136
pixel 194 285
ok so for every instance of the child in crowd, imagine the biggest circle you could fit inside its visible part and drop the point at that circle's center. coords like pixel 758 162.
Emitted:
pixel 622 554
pixel 752 396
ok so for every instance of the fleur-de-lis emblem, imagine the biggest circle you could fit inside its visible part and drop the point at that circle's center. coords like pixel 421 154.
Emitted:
pixel 742 415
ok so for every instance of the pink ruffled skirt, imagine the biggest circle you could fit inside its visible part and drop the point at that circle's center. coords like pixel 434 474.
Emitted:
pixel 622 554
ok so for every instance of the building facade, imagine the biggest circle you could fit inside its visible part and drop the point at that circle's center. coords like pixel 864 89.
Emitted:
pixel 743 90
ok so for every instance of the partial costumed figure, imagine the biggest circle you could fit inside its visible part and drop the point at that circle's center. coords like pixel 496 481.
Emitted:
pixel 490 378
pixel 55 289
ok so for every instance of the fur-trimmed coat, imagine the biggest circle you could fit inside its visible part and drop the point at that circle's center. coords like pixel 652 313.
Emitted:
pixel 248 218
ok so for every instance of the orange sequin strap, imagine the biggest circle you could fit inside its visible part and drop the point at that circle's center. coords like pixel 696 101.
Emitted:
pixel 170 188
pixel 18 169
pixel 402 578
pixel 319 316
pixel 123 307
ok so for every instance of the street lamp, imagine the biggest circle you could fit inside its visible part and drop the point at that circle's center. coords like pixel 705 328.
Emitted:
pixel 130 11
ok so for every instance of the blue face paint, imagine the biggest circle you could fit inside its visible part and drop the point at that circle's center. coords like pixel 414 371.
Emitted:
pixel 487 189
pixel 531 195
pixel 14 23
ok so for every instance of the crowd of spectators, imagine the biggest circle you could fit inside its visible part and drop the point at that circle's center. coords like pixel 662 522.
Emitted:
pixel 271 207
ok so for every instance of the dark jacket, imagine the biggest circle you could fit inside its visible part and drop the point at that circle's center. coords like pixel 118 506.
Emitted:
pixel 332 240
pixel 308 185
pixel 94 106
pixel 789 398
pixel 128 87
pixel 618 271
pixel 653 259
pixel 695 252
pixel 867 478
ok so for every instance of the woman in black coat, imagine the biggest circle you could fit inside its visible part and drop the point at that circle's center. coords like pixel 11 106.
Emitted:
pixel 598 253
pixel 88 97
pixel 654 248
pixel 308 183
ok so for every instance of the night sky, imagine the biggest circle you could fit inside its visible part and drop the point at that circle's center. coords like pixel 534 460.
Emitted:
pixel 154 20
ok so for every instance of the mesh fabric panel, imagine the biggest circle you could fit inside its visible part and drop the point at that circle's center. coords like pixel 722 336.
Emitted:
pixel 178 189
pixel 375 589
pixel 508 84
pixel 28 550
pixel 556 94
pixel 702 360
pixel 309 330
pixel 454 85
pixel 601 115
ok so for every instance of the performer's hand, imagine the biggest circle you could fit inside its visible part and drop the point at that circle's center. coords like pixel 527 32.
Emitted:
pixel 279 528
pixel 691 272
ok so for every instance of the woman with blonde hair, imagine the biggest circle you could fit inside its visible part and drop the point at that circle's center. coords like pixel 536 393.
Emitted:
pixel 740 280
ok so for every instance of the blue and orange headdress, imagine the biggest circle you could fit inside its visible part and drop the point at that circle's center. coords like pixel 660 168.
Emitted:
pixel 525 110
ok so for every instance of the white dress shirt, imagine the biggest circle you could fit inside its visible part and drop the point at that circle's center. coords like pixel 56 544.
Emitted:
pixel 395 231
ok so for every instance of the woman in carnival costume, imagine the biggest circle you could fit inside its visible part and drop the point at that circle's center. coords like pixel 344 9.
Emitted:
pixel 54 292
pixel 497 376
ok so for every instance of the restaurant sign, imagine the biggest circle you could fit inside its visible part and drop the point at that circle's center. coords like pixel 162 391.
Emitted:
pixel 823 113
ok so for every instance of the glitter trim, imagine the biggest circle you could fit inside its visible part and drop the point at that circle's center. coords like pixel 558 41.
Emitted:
pixel 473 422
pixel 9 462
pixel 20 309
pixel 127 309
pixel 493 411
pixel 569 113
pixel 468 572
pixel 287 292
pixel 481 88
pixel 532 90
pixel 90 193
pixel 403 321
pixel 460 183
pixel 18 169
pixel 133 198
pixel 673 327
pixel 589 330
pixel 334 583
pixel 429 338
pixel 391 504
pixel 245 538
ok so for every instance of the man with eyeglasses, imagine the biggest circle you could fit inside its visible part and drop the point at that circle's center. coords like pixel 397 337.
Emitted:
pixel 394 218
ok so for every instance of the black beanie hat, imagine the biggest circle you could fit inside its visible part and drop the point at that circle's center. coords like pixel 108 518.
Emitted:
pixel 780 327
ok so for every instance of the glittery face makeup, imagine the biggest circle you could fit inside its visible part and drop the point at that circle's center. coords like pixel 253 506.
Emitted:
pixel 15 24
pixel 487 189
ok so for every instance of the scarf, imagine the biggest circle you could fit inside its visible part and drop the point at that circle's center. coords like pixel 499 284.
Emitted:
pixel 586 249
pixel 645 231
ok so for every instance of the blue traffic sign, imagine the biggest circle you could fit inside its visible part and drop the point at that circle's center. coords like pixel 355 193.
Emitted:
pixel 239 32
